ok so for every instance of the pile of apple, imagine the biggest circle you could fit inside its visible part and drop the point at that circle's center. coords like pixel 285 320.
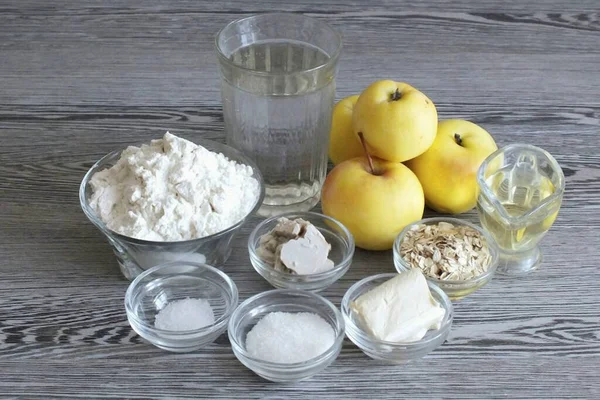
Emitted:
pixel 392 157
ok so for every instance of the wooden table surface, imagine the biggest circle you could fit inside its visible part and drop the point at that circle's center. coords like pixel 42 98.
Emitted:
pixel 78 80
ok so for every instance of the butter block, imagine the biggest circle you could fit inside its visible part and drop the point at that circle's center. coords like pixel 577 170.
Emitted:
pixel 401 309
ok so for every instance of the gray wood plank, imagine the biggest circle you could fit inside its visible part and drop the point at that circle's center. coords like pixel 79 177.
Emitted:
pixel 79 79
pixel 167 58
pixel 473 379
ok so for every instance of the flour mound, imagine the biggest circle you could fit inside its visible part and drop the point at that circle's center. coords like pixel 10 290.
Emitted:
pixel 172 190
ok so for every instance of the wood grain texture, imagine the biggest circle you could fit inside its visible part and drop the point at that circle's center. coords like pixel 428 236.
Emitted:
pixel 79 79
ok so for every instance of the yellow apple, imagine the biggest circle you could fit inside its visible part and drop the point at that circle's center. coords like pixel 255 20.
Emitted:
pixel 398 121
pixel 374 206
pixel 343 143
pixel 448 169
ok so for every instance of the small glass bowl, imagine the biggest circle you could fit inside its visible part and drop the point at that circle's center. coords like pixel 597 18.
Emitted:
pixel 454 289
pixel 393 352
pixel 136 255
pixel 155 288
pixel 284 300
pixel 336 234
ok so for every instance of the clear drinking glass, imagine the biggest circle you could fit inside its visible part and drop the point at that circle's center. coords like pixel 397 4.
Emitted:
pixel 278 87
pixel 521 190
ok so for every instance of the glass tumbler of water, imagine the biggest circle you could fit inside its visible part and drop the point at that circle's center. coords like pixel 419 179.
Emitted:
pixel 278 88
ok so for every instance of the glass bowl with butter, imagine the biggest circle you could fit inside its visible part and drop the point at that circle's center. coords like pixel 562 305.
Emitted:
pixel 301 250
pixel 453 254
pixel 397 318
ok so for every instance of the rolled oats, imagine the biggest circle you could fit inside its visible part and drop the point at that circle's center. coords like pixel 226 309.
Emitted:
pixel 446 251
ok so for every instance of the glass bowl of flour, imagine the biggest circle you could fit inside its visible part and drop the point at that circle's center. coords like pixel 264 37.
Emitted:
pixel 171 199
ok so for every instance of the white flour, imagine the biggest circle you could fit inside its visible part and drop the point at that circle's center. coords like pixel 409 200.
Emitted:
pixel 172 189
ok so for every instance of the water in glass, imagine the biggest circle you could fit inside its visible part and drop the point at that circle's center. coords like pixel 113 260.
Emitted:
pixel 278 89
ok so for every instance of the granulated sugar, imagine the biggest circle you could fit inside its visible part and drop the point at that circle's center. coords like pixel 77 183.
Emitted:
pixel 185 315
pixel 289 337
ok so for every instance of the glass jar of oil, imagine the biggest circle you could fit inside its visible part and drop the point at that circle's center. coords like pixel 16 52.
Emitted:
pixel 521 189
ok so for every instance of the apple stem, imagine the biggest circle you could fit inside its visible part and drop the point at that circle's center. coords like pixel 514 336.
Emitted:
pixel 369 158
pixel 396 95
pixel 458 139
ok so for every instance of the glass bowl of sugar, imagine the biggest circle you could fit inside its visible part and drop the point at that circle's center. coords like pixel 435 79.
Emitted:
pixel 180 306
pixel 286 335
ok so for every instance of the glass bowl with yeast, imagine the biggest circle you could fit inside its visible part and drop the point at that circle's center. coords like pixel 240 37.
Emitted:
pixel 453 254
pixel 171 200
pixel 397 318
pixel 301 250
pixel 286 335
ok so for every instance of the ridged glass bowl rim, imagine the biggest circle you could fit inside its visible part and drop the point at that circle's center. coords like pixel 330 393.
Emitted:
pixel 333 58
pixel 313 362
pixel 364 337
pixel 218 324
pixel 260 264
pixel 491 243
pixel 211 145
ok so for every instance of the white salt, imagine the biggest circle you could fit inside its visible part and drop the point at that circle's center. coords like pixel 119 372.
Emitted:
pixel 289 337
pixel 185 315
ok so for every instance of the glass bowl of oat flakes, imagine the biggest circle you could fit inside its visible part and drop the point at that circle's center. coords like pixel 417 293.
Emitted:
pixel 456 255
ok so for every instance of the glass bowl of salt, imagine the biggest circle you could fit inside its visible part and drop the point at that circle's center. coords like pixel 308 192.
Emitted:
pixel 181 306
pixel 286 335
